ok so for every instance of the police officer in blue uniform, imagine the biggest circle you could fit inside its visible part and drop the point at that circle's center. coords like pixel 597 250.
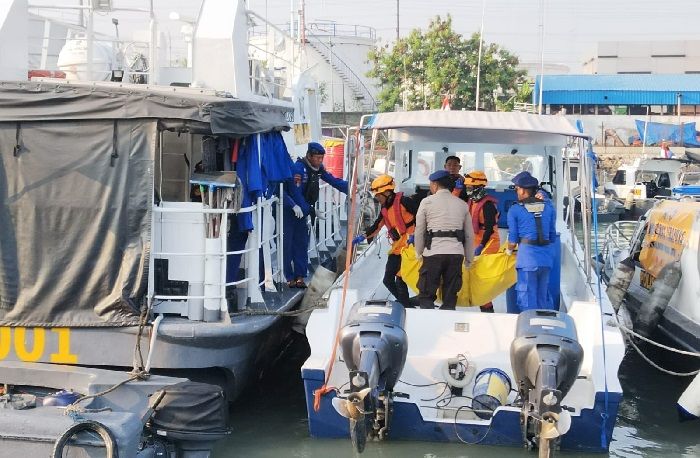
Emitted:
pixel 531 227
pixel 301 195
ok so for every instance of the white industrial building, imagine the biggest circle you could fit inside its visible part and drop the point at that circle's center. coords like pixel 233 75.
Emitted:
pixel 655 57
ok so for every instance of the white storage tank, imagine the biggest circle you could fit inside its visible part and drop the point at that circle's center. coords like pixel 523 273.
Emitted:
pixel 73 59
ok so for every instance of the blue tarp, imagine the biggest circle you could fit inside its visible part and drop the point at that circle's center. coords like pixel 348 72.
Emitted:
pixel 657 132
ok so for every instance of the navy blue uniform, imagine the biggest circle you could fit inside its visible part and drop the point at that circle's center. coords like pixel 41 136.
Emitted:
pixel 534 259
pixel 302 190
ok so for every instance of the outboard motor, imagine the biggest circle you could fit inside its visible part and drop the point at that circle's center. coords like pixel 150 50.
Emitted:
pixel 192 416
pixel 546 359
pixel 374 345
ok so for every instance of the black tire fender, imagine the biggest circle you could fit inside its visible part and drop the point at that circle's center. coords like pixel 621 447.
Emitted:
pixel 88 425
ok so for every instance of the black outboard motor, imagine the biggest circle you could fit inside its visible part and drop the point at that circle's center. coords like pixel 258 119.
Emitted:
pixel 546 359
pixel 374 345
pixel 193 416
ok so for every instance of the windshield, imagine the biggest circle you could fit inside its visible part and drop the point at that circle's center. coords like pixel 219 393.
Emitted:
pixel 499 168
pixel 691 178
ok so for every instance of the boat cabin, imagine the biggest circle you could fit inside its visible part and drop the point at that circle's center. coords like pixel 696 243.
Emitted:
pixel 415 153
pixel 648 178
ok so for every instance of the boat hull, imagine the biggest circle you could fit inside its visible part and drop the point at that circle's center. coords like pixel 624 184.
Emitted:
pixel 188 348
pixel 503 429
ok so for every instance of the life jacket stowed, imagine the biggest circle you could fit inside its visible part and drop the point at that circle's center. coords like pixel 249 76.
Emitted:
pixel 399 222
pixel 479 224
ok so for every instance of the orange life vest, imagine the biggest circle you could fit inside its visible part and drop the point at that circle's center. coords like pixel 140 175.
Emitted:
pixel 479 225
pixel 397 217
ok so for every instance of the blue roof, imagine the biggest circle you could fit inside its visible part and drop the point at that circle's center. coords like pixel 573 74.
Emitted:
pixel 618 89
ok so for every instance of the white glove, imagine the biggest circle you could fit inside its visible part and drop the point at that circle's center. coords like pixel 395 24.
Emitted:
pixel 297 211
pixel 509 252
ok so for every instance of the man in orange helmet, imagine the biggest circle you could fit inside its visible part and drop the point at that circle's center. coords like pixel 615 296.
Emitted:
pixel 483 209
pixel 398 214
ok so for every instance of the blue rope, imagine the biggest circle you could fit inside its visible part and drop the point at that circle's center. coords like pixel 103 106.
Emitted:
pixel 594 182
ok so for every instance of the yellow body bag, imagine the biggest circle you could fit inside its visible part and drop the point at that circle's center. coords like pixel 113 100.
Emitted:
pixel 488 277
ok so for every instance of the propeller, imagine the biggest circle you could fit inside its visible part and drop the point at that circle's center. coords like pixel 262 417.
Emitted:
pixel 553 426
pixel 353 406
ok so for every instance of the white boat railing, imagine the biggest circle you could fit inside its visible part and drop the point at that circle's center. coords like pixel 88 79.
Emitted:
pixel 262 239
pixel 326 231
pixel 71 22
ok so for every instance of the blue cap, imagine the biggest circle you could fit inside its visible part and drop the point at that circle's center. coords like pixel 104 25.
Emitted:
pixel 525 180
pixel 315 148
pixel 439 175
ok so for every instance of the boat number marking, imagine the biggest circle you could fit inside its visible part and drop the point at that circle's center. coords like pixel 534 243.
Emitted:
pixel 29 344
pixel 646 279
pixel 461 327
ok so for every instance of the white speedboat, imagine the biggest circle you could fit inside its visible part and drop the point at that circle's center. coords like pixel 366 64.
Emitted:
pixel 543 378
pixel 654 272
pixel 642 183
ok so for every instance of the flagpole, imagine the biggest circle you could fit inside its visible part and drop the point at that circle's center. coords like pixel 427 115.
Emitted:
pixel 481 43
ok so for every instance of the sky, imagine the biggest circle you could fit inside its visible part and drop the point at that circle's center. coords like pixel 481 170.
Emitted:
pixel 572 28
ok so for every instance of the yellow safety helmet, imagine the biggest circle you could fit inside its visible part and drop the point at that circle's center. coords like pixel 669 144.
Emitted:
pixel 475 178
pixel 382 183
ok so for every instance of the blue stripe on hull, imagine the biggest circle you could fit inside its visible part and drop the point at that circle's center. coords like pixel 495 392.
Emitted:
pixel 504 429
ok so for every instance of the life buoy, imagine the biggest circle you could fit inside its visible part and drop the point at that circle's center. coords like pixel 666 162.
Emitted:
pixel 423 167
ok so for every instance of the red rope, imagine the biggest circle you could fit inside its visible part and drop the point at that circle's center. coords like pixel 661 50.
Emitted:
pixel 346 280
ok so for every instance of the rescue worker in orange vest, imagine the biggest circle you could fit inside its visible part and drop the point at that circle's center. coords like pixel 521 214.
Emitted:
pixel 398 215
pixel 483 209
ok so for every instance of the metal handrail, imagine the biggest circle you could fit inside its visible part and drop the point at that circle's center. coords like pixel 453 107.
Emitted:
pixel 276 236
pixel 344 30
pixel 333 212
pixel 350 75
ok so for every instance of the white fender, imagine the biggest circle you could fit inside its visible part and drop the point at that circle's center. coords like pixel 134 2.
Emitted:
pixel 689 402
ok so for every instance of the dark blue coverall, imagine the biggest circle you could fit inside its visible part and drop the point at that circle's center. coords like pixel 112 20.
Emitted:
pixel 302 190
pixel 534 259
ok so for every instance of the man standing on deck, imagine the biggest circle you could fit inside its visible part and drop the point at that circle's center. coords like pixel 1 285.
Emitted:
pixel 301 195
pixel 453 166
pixel 531 227
pixel 444 239
pixel 483 210
pixel 398 214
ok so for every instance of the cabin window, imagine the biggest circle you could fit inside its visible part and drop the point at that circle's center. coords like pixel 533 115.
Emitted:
pixel 503 167
pixel 691 178
pixel 664 181
pixel 646 177
pixel 573 173
pixel 619 177
pixel 425 165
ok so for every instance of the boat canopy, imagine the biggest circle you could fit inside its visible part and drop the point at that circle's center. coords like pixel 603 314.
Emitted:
pixel 478 126
pixel 77 166
pixel 194 110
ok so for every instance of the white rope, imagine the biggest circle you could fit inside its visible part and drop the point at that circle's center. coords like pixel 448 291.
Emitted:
pixel 628 331
pixel 646 339
pixel 657 367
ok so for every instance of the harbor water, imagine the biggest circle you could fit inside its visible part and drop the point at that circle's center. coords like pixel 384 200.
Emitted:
pixel 270 420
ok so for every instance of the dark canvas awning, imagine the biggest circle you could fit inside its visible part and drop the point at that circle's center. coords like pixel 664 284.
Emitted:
pixel 51 101
pixel 76 192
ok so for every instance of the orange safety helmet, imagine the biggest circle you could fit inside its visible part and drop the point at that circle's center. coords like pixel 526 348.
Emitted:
pixel 475 178
pixel 382 183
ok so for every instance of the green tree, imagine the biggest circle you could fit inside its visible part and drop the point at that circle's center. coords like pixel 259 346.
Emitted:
pixel 424 67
